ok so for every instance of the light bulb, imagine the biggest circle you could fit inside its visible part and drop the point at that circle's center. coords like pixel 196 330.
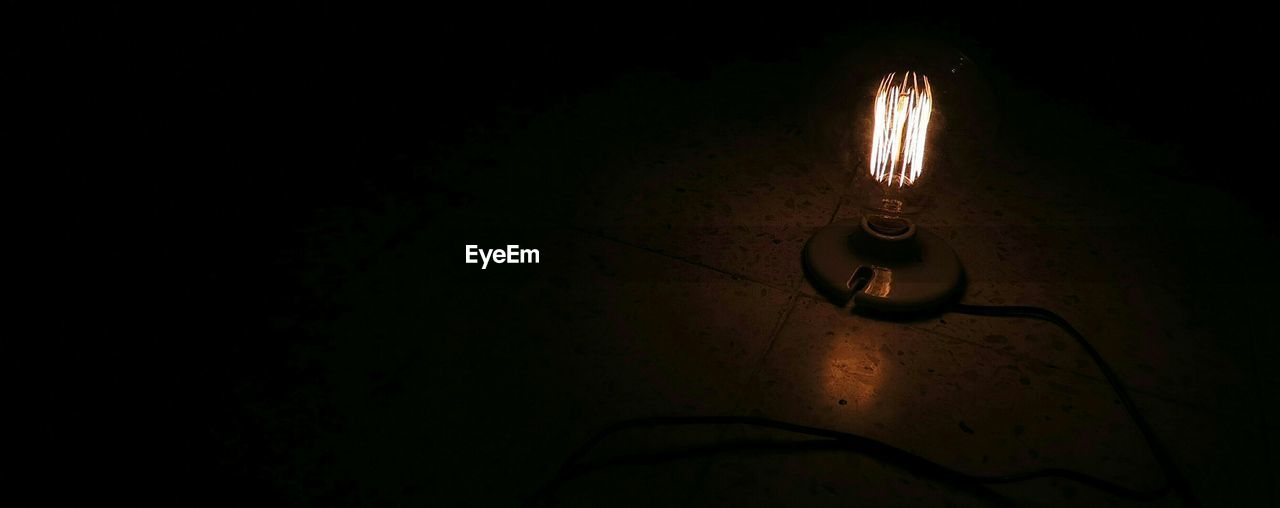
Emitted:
pixel 882 261
pixel 902 108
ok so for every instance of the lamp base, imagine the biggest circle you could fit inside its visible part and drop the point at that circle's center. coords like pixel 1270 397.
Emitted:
pixel 911 271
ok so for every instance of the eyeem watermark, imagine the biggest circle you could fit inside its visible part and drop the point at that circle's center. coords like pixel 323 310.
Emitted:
pixel 513 254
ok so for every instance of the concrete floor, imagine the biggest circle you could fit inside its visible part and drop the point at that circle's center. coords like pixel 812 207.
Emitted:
pixel 670 214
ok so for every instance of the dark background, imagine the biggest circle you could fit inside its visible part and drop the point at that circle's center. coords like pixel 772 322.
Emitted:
pixel 235 149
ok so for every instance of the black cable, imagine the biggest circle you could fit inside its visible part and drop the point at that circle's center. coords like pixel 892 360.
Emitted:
pixel 1171 472
pixel 783 446
pixel 834 438
pixel 573 466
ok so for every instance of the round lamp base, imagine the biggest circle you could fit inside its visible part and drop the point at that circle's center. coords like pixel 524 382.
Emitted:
pixel 912 272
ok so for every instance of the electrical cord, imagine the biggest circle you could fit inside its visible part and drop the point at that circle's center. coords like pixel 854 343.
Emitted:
pixel 1172 474
pixel 834 439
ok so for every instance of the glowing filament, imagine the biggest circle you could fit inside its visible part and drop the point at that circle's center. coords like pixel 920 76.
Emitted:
pixel 902 122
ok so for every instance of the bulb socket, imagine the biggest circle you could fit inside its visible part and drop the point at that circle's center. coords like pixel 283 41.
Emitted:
pixel 913 271
pixel 884 227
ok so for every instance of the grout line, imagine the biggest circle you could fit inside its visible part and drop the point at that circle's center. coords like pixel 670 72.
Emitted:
pixel 792 299
pixel 1162 397
pixel 736 276
pixel 840 201
pixel 796 283
pixel 774 332
pixel 1168 399
pixel 699 484
pixel 773 336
